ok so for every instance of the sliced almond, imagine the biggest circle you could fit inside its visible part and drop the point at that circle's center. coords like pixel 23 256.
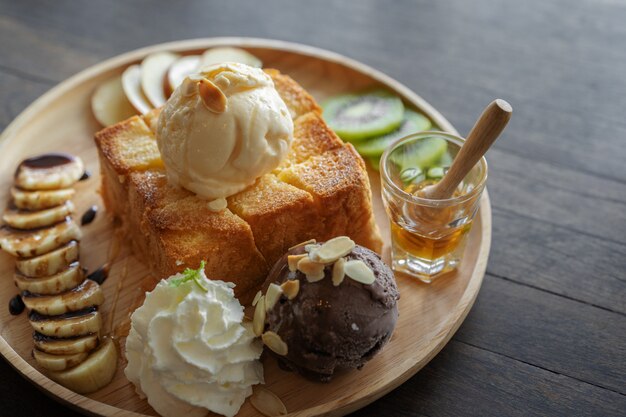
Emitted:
pixel 258 322
pixel 359 271
pixel 275 343
pixel 338 271
pixel 291 288
pixel 267 403
pixel 314 271
pixel 308 242
pixel 311 247
pixel 212 97
pixel 333 249
pixel 292 261
pixel 256 298
pixel 272 295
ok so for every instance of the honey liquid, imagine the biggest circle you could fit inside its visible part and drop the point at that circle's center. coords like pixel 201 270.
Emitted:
pixel 429 246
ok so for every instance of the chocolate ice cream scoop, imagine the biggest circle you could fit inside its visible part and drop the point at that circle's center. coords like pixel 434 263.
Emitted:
pixel 328 307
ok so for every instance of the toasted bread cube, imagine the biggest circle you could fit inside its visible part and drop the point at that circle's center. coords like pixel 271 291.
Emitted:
pixel 321 190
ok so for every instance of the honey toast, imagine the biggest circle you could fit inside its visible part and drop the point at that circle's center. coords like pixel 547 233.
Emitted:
pixel 320 190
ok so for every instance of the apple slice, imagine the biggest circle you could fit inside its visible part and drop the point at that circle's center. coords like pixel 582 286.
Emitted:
pixel 131 83
pixel 153 70
pixel 109 103
pixel 179 70
pixel 228 54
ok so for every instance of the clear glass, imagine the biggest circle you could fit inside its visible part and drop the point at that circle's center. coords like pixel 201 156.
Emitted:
pixel 428 236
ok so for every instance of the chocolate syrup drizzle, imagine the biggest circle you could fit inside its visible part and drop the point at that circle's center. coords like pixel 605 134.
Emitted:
pixel 16 305
pixel 89 215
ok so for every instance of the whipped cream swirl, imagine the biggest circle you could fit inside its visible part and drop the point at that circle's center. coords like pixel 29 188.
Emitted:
pixel 188 350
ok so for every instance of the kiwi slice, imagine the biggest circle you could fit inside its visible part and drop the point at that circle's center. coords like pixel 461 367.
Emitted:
pixel 412 122
pixel 423 154
pixel 435 173
pixel 355 117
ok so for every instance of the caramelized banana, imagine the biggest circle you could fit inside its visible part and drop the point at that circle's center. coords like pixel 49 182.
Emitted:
pixel 29 243
pixel 28 220
pixel 93 373
pixel 87 294
pixel 49 172
pixel 54 346
pixel 54 284
pixel 67 325
pixel 40 233
pixel 58 362
pixel 39 200
pixel 49 263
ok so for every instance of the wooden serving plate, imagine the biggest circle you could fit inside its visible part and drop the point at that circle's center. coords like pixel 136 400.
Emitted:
pixel 61 120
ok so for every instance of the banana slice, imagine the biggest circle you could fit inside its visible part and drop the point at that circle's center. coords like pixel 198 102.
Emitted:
pixel 67 325
pixel 87 294
pixel 94 373
pixel 53 346
pixel 54 284
pixel 49 172
pixel 58 362
pixel 39 200
pixel 49 263
pixel 28 243
pixel 21 219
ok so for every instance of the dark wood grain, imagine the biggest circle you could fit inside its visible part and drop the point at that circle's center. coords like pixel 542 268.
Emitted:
pixel 548 333
pixel 464 380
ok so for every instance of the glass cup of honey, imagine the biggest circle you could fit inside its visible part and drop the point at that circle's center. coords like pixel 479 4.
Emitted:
pixel 428 236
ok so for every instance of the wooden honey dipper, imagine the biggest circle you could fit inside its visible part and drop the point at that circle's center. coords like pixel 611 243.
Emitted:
pixel 486 130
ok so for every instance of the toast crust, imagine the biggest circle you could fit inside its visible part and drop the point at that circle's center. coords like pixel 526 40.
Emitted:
pixel 320 190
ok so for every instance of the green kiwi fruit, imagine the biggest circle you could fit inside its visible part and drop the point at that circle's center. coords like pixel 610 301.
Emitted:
pixel 356 117
pixel 423 154
pixel 412 122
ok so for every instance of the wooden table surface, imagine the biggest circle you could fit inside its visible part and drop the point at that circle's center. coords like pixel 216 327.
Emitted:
pixel 547 335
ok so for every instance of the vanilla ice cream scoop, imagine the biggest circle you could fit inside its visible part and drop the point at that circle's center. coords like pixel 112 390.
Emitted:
pixel 222 129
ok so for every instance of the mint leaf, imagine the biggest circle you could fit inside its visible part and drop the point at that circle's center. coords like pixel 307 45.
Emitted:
pixel 190 275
